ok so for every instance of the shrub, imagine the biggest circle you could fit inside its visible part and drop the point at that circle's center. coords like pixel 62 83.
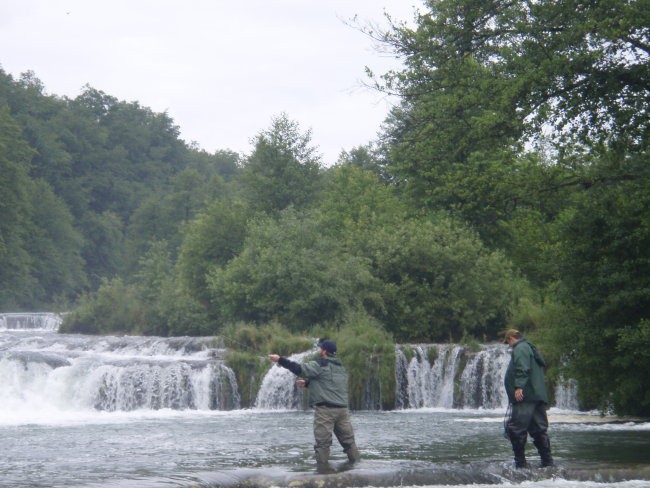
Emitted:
pixel 112 309
pixel 368 352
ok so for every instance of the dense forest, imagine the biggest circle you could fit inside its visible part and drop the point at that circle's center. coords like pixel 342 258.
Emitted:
pixel 508 187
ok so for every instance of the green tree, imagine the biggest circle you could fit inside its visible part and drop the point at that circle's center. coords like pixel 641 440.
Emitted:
pixel 283 169
pixel 367 157
pixel 15 214
pixel 604 266
pixel 123 151
pixel 103 245
pixel 441 282
pixel 162 216
pixel 166 308
pixel 212 239
pixel 584 69
pixel 453 138
pixel 354 201
pixel 484 81
pixel 482 78
pixel 225 163
pixel 289 272
pixel 55 246
pixel 113 308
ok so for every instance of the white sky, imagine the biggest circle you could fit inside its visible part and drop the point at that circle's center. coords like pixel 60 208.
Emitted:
pixel 220 68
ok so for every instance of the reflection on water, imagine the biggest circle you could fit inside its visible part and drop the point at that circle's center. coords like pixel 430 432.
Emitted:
pixel 183 446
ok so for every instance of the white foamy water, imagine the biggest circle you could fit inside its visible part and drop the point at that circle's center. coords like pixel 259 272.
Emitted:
pixel 278 390
pixel 44 373
pixel 30 321
pixel 451 376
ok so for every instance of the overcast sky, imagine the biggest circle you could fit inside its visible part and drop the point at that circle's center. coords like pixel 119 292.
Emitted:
pixel 222 69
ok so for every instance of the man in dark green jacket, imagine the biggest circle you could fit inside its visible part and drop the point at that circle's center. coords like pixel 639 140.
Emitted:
pixel 327 381
pixel 528 398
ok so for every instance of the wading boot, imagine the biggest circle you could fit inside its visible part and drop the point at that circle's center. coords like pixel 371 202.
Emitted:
pixel 353 454
pixel 322 459
pixel 518 442
pixel 543 445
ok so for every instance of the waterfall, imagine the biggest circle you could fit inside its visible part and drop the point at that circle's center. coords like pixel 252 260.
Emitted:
pixel 401 379
pixel 566 394
pixel 429 378
pixel 45 370
pixel 30 321
pixel 278 390
pixel 456 376
pixel 481 383
pixel 41 370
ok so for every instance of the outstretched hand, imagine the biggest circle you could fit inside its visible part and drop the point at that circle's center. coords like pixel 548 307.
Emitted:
pixel 301 383
pixel 274 357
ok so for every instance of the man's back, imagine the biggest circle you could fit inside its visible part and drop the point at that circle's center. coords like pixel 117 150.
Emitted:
pixel 328 381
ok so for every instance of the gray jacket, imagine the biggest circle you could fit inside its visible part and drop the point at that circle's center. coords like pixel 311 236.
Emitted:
pixel 327 380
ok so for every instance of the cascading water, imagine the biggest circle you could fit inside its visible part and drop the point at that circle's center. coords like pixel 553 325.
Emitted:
pixel 427 376
pixel 278 390
pixel 43 371
pixel 566 394
pixel 40 369
pixel 481 384
pixel 30 321
pixel 451 376
pixel 428 379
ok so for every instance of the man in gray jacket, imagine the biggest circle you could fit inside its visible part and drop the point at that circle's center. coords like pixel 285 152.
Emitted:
pixel 327 381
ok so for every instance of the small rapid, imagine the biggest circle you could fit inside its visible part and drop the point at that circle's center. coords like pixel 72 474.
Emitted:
pixel 44 371
pixel 30 321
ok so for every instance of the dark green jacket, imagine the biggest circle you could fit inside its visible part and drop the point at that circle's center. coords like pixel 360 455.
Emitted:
pixel 526 370
pixel 327 380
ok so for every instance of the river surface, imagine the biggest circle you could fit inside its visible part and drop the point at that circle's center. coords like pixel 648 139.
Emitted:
pixel 120 412
pixel 215 448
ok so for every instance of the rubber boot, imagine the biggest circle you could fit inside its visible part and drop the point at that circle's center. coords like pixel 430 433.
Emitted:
pixel 322 457
pixel 543 445
pixel 518 442
pixel 353 454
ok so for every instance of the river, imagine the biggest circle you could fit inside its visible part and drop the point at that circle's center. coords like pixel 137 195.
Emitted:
pixel 148 412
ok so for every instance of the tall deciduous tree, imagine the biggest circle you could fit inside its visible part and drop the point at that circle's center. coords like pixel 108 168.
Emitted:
pixel 456 131
pixel 289 271
pixel 482 78
pixel 283 169
pixel 15 214
pixel 440 281
pixel 55 246
pixel 212 239
pixel 605 267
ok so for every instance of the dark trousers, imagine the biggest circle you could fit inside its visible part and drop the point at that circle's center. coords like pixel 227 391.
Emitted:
pixel 529 418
